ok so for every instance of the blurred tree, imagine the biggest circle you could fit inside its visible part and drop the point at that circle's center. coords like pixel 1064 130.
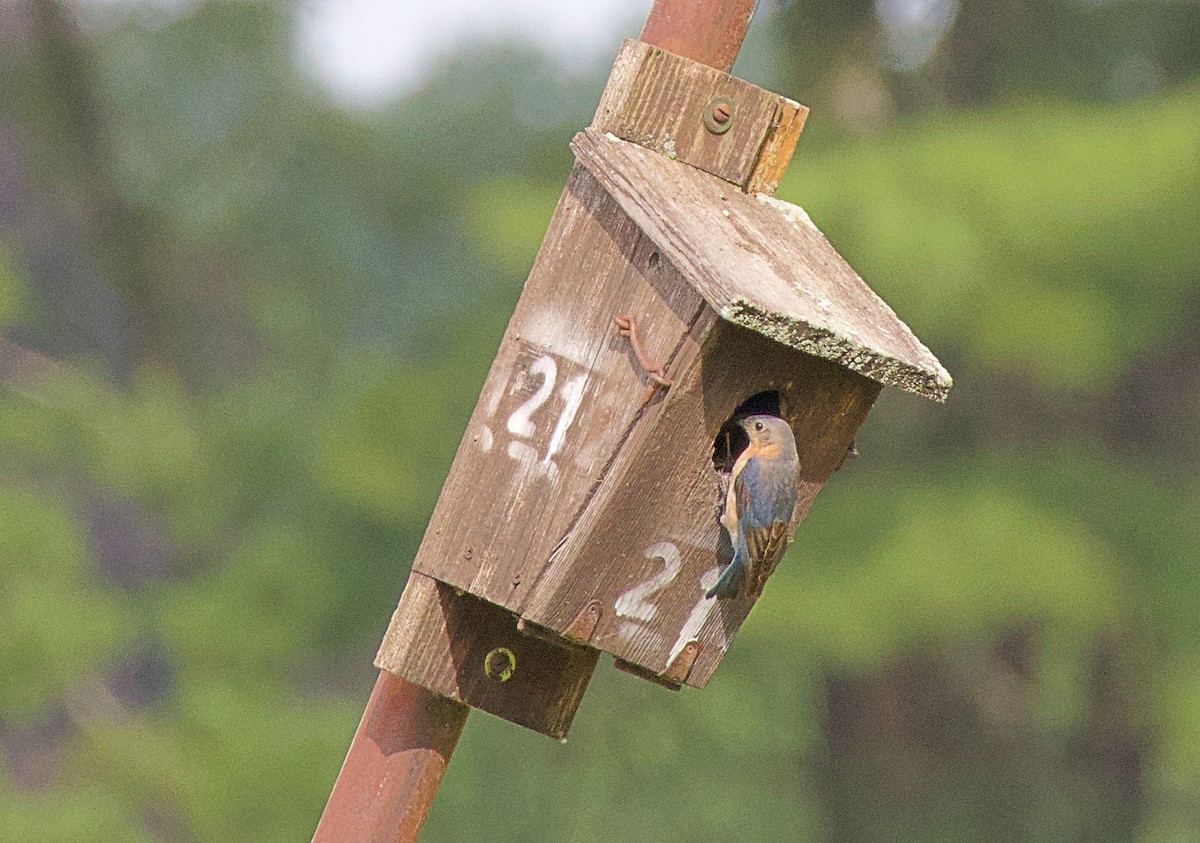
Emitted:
pixel 859 63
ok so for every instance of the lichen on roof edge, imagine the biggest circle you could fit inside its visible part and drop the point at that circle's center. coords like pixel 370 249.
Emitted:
pixel 823 343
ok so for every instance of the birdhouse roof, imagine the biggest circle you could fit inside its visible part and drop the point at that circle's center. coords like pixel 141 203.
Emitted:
pixel 762 264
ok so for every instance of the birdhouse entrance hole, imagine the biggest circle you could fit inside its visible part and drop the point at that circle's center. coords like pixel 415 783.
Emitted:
pixel 731 439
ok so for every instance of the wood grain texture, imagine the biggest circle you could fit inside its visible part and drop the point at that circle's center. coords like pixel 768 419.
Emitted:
pixel 562 394
pixel 777 148
pixel 761 263
pixel 440 639
pixel 655 521
pixel 659 100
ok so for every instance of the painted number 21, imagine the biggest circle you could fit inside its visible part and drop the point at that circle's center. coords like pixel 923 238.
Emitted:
pixel 522 425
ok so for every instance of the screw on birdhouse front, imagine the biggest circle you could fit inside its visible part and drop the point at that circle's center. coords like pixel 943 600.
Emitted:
pixel 500 664
pixel 718 115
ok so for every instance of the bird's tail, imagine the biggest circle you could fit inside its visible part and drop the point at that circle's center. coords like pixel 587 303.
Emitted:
pixel 731 580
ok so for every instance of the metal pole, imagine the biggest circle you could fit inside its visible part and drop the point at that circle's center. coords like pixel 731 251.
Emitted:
pixel 707 31
pixel 395 764
pixel 403 744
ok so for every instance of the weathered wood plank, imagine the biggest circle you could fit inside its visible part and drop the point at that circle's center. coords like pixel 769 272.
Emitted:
pixel 777 148
pixel 469 650
pixel 659 100
pixel 650 544
pixel 561 396
pixel 761 263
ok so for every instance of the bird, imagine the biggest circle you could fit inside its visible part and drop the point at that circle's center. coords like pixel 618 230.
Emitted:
pixel 762 494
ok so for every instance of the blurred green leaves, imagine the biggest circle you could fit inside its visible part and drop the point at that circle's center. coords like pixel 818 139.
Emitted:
pixel 1043 240
pixel 68 814
pixel 506 220
pixel 376 450
pixel 240 619
pixel 61 621
pixel 958 564
pixel 14 293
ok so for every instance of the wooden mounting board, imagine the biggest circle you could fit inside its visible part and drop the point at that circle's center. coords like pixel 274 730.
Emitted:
pixel 441 639
pixel 659 100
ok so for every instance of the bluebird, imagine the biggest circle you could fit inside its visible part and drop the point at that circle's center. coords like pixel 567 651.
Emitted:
pixel 758 509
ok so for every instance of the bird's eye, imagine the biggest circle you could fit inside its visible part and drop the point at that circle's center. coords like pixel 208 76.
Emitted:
pixel 758 425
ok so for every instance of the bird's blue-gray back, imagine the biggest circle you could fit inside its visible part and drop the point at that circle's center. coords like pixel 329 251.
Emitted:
pixel 763 491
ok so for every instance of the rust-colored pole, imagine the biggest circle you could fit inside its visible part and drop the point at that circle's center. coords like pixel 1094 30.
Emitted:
pixel 707 31
pixel 395 764
pixel 407 734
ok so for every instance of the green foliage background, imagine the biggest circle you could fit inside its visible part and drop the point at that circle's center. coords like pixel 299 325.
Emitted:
pixel 242 328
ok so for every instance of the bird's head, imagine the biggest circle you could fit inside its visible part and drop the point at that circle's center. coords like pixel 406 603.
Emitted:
pixel 765 431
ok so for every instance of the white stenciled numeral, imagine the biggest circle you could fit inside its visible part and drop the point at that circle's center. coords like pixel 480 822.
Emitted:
pixel 636 602
pixel 520 423
pixel 699 614
pixel 522 453
pixel 572 394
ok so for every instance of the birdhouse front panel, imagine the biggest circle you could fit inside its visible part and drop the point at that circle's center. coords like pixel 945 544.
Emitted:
pixel 562 394
pixel 650 545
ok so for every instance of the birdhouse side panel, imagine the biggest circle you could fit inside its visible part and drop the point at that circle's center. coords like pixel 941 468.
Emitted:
pixel 653 546
pixel 562 394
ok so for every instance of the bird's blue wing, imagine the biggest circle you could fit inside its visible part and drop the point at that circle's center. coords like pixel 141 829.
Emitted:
pixel 766 498
pixel 766 491
pixel 765 494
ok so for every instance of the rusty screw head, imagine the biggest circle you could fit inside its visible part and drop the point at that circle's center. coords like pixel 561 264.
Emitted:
pixel 718 115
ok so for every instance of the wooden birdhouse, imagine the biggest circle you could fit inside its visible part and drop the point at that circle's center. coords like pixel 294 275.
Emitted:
pixel 672 293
